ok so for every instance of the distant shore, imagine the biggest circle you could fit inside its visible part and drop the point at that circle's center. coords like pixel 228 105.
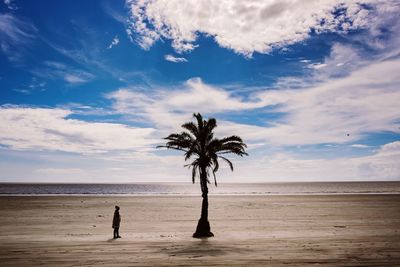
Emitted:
pixel 329 230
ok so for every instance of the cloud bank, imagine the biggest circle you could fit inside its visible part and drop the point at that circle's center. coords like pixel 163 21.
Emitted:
pixel 45 129
pixel 283 167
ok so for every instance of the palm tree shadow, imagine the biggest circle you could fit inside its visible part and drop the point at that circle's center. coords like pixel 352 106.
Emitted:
pixel 202 249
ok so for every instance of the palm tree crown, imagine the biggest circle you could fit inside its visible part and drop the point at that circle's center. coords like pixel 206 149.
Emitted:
pixel 198 143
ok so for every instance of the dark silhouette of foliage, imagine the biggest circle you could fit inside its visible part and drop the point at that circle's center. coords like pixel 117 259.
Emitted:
pixel 198 143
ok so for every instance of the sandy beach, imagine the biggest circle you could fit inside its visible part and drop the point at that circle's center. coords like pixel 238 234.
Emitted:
pixel 327 230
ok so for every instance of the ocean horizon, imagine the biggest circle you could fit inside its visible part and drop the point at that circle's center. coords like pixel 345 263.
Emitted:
pixel 174 189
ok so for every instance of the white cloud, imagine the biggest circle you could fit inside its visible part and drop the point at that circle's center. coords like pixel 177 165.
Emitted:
pixel 171 58
pixel 390 148
pixel 359 146
pixel 317 65
pixel 114 42
pixel 71 78
pixel 51 129
pixel 341 62
pixel 246 27
pixel 207 98
pixel 172 107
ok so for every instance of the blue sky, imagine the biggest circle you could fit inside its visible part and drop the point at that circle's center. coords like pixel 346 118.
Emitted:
pixel 89 88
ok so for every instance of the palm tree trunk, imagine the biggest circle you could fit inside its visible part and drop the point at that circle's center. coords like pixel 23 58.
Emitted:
pixel 203 227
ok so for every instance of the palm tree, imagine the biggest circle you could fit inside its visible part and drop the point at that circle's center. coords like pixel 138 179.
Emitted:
pixel 199 144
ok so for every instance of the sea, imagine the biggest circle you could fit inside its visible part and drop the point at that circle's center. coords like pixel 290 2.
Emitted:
pixel 177 189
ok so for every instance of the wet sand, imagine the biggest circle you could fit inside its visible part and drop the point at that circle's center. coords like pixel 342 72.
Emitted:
pixel 323 230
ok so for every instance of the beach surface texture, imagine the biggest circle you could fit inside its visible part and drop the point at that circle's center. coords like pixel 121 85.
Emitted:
pixel 323 230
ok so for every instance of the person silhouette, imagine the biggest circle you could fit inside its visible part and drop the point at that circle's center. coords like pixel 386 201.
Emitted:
pixel 116 222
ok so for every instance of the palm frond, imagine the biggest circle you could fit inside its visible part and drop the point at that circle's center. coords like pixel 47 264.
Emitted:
pixel 233 138
pixel 191 127
pixel 193 174
pixel 172 147
pixel 200 122
pixel 228 161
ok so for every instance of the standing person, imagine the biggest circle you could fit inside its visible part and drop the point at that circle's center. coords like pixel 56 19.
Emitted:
pixel 116 222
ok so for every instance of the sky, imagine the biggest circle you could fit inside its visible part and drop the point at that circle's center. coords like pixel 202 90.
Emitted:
pixel 88 89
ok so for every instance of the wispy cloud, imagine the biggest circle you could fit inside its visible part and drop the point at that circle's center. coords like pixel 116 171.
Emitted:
pixel 113 13
pixel 256 26
pixel 73 78
pixel 174 59
pixel 60 71
pixel 114 42
pixel 317 65
pixel 15 36
pixel 88 57
pixel 360 146
pixel 33 86
pixel 11 4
